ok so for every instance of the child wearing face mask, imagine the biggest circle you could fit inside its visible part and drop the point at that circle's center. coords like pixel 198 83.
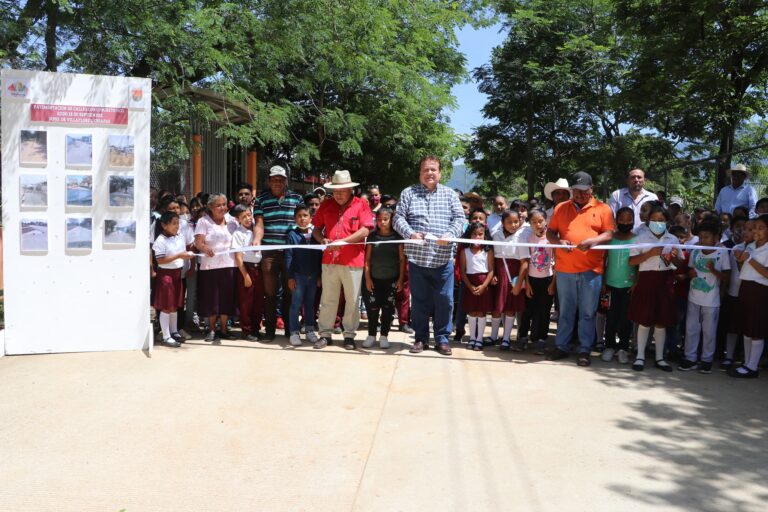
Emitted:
pixel 653 300
pixel 620 276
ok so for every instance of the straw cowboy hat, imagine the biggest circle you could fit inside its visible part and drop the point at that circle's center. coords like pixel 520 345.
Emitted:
pixel 341 179
pixel 561 184
pixel 738 168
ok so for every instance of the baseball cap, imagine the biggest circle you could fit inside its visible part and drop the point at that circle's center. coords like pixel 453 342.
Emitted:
pixel 277 170
pixel 581 181
pixel 677 200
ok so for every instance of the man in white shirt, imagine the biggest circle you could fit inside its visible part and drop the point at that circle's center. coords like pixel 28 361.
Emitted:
pixel 633 196
pixel 737 193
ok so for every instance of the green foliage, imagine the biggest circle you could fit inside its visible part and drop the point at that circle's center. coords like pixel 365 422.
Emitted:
pixel 357 84
pixel 607 85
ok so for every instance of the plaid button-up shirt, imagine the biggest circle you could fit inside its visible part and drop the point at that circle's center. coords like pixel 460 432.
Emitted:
pixel 437 213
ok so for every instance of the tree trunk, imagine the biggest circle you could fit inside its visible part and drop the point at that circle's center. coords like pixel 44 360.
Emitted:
pixel 529 164
pixel 724 157
pixel 52 13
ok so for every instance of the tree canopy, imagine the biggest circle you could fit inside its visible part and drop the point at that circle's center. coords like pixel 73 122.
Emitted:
pixel 358 84
pixel 606 85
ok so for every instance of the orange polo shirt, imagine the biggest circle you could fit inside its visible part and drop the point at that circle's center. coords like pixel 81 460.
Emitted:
pixel 576 225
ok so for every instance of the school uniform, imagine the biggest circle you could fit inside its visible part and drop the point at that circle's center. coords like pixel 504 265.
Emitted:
pixel 507 261
pixel 652 302
pixel 704 303
pixel 753 296
pixel 476 268
pixel 169 293
pixel 251 299
pixel 540 272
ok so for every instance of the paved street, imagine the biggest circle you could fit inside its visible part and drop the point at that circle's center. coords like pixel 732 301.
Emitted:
pixel 250 426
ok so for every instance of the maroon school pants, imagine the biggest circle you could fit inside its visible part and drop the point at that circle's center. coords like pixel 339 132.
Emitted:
pixel 250 300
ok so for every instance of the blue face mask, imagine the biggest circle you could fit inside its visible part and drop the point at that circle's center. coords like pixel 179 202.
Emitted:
pixel 657 227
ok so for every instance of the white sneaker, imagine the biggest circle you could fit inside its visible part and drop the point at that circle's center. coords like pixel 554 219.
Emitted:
pixel 312 337
pixel 383 342
pixel 623 357
pixel 607 354
pixel 369 342
pixel 295 340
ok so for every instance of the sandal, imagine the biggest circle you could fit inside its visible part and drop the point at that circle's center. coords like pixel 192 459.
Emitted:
pixel 663 365
pixel 742 372
pixel 638 365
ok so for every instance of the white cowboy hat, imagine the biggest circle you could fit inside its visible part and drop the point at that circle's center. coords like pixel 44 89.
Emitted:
pixel 561 184
pixel 738 168
pixel 341 179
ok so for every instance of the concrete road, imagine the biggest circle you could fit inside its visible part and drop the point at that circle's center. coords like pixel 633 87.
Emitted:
pixel 250 426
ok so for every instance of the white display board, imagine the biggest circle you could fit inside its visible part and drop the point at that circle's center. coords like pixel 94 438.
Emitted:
pixel 75 172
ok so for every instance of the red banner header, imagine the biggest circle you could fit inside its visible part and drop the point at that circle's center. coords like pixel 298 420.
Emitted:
pixel 73 114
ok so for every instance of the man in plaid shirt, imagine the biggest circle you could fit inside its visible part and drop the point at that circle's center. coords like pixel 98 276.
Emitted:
pixel 429 208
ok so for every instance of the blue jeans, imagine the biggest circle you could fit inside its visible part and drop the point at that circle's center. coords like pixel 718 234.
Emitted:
pixel 432 293
pixel 303 295
pixel 578 291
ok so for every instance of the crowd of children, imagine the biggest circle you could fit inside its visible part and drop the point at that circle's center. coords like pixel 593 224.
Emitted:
pixel 693 305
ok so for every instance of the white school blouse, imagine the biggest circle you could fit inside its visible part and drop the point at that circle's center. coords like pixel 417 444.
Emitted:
pixel 168 246
pixel 760 255
pixel 510 252
pixel 654 263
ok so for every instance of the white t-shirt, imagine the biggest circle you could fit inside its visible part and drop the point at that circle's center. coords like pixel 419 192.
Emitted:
pixel 494 222
pixel 704 289
pixel 511 252
pixel 542 260
pixel 219 238
pixel 760 255
pixel 654 263
pixel 168 246
pixel 243 237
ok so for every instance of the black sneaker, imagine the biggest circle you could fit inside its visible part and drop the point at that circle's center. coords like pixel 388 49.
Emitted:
pixel 705 367
pixel 688 366
pixel 268 337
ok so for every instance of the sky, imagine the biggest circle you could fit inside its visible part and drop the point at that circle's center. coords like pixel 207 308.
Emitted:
pixel 476 46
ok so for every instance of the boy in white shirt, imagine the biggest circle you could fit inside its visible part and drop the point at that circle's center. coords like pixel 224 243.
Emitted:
pixel 709 269
pixel 250 288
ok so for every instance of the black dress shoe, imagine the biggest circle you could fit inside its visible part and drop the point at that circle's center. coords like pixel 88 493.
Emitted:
pixel 417 347
pixel 444 349
pixel 558 354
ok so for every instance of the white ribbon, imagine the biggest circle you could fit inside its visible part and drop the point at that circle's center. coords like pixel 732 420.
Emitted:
pixel 433 238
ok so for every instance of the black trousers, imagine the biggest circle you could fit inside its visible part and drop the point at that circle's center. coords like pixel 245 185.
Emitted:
pixel 536 315
pixel 616 321
pixel 380 302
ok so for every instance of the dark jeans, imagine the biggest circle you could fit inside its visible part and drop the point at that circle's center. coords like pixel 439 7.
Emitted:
pixel 432 290
pixel 616 321
pixel 274 274
pixel 536 314
pixel 381 300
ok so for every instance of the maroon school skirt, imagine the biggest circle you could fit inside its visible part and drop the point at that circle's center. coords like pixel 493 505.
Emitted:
pixel 473 303
pixel 216 292
pixel 169 292
pixel 653 300
pixel 753 320
pixel 503 299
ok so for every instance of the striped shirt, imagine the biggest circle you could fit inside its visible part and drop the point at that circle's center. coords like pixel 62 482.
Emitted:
pixel 437 213
pixel 278 215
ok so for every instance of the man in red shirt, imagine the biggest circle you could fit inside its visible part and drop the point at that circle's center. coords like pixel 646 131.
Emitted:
pixel 341 219
pixel 582 223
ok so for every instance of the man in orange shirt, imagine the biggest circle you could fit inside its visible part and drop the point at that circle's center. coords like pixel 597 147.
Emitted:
pixel 583 222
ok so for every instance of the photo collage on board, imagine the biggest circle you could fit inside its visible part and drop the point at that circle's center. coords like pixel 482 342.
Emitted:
pixel 79 180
